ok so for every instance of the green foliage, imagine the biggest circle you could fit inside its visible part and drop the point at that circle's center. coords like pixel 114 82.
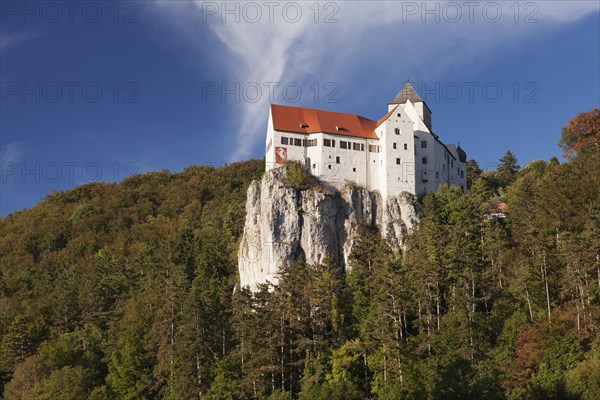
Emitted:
pixel 335 390
pixel 583 380
pixel 68 383
pixel 298 176
pixel 122 290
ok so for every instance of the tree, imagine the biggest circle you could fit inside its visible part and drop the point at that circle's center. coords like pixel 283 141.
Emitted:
pixel 473 172
pixel 26 375
pixel 68 383
pixel 507 169
pixel 581 132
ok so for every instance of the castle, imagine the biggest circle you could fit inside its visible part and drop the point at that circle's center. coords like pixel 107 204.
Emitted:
pixel 397 153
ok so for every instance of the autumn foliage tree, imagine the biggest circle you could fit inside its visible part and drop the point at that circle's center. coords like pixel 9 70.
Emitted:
pixel 581 132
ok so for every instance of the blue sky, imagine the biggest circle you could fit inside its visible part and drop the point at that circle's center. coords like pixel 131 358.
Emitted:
pixel 99 90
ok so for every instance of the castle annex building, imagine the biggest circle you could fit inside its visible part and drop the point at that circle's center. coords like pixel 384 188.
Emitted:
pixel 396 153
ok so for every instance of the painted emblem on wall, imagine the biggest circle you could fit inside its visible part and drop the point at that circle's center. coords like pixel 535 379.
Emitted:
pixel 280 155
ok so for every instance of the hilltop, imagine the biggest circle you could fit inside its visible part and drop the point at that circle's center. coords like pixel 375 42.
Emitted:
pixel 131 290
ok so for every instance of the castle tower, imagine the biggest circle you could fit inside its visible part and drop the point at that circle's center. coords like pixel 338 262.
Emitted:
pixel 408 92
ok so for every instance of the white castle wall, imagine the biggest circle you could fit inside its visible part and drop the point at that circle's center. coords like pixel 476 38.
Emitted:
pixel 377 171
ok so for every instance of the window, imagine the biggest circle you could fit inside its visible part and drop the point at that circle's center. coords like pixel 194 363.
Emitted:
pixel 356 146
pixel 353 169
pixel 311 142
pixel 329 166
pixel 297 142
pixel 344 145
pixel 284 140
pixel 398 161
pixel 424 160
pixel 399 115
pixel 397 131
pixel 328 143
pixel 337 160
pixel 423 144
pixel 394 145
pixel 405 146
pixel 374 148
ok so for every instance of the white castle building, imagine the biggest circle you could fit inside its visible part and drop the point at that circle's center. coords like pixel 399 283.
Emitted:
pixel 396 153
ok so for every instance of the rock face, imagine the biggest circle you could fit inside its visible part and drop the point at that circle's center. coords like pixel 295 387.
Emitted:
pixel 282 223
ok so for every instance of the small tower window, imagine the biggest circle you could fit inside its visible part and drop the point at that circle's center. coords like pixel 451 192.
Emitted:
pixel 424 160
pixel 423 144
pixel 394 145
pixel 337 160
pixel 398 161
pixel 353 169
pixel 397 131
pixel 405 146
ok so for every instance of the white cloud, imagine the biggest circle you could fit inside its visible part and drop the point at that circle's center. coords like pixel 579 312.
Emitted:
pixel 10 40
pixel 12 152
pixel 281 51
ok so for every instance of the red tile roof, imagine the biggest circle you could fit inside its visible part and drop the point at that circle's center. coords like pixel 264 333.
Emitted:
pixel 307 120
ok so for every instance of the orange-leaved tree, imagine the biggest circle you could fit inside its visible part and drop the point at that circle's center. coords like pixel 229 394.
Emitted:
pixel 582 131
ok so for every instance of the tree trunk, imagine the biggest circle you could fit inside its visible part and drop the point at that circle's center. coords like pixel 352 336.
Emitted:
pixel 545 275
pixel 529 304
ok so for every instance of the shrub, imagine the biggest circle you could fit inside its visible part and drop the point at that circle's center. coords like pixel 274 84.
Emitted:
pixel 298 177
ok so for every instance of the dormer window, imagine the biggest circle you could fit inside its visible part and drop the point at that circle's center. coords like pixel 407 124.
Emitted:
pixel 340 128
pixel 303 125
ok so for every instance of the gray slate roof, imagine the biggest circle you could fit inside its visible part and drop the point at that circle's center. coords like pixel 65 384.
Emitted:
pixel 408 92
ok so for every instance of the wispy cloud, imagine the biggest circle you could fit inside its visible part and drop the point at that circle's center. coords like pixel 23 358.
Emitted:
pixel 404 38
pixel 11 40
pixel 12 152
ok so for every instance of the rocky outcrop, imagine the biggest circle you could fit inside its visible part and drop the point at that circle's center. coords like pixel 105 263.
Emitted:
pixel 282 223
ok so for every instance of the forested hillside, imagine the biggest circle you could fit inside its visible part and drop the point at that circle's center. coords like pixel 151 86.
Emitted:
pixel 128 291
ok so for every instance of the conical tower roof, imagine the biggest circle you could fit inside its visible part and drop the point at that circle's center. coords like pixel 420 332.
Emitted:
pixel 408 92
pixel 462 155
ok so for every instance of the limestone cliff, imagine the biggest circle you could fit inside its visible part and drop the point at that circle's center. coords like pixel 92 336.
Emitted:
pixel 282 223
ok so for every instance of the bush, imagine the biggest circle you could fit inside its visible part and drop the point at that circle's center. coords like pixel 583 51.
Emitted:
pixel 298 177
